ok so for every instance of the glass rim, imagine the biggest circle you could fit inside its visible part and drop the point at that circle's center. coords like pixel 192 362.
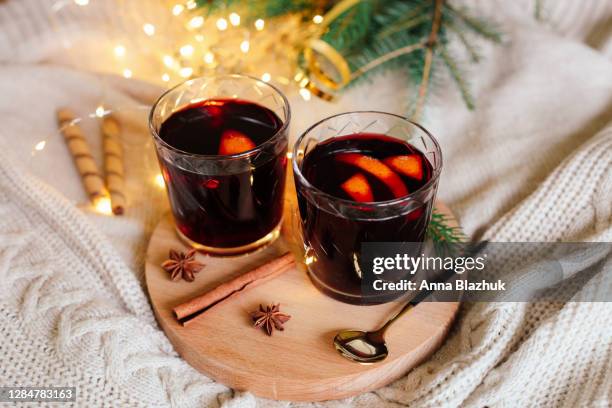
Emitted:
pixel 248 153
pixel 374 204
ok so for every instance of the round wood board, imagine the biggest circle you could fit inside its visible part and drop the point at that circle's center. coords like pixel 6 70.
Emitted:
pixel 299 363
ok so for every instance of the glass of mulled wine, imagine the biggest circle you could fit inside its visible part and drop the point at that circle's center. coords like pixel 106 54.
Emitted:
pixel 222 147
pixel 362 177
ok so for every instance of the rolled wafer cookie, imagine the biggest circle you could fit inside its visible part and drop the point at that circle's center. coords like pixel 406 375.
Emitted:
pixel 113 163
pixel 81 153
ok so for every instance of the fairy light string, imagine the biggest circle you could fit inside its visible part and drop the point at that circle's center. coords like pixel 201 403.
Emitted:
pixel 307 46
pixel 225 43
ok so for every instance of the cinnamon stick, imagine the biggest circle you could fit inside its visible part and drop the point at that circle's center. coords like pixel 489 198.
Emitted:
pixel 113 163
pixel 194 308
pixel 81 153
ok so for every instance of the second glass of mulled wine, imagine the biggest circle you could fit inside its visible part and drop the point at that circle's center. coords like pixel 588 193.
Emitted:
pixel 362 177
pixel 222 148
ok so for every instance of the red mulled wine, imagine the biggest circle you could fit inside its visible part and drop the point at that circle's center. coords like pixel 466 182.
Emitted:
pixel 365 169
pixel 226 188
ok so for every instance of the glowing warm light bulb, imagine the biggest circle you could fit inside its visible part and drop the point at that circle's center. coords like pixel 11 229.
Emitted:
pixel 119 50
pixel 191 4
pixel 165 77
pixel 103 205
pixel 177 9
pixel 40 145
pixel 100 111
pixel 289 155
pixel 168 61
pixel 259 24
pixel 186 72
pixel 266 77
pixel 209 57
pixel 305 93
pixel 199 37
pixel 244 46
pixel 309 259
pixel 222 24
pixel 81 2
pixel 317 19
pixel 186 50
pixel 149 29
pixel 159 181
pixel 127 73
pixel 196 22
pixel 234 19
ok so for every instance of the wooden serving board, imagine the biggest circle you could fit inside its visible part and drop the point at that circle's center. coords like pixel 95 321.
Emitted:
pixel 299 363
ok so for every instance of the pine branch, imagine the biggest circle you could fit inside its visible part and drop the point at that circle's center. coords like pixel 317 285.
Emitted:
pixel 259 8
pixel 280 7
pixel 212 6
pixel 431 41
pixel 474 56
pixel 406 25
pixel 350 28
pixel 373 35
pixel 408 21
pixel 538 10
pixel 457 77
pixel 383 59
pixel 440 231
pixel 476 24
pixel 395 50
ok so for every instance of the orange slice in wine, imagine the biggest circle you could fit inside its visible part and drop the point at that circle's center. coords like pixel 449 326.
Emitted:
pixel 410 165
pixel 235 142
pixel 378 169
pixel 358 188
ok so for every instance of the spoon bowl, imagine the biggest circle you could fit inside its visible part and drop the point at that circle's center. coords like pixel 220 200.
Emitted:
pixel 360 346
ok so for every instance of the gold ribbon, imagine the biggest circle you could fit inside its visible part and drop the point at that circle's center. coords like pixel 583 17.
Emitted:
pixel 322 48
pixel 315 79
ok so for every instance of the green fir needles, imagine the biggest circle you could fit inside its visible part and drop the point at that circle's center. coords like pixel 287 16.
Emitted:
pixel 411 36
pixel 439 229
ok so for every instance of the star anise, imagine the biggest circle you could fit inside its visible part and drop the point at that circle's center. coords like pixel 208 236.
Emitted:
pixel 269 318
pixel 182 265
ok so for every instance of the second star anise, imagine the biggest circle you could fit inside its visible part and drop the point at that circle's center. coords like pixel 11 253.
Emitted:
pixel 182 265
pixel 269 318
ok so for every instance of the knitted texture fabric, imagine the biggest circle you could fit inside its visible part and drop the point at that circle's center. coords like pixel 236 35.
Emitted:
pixel 533 163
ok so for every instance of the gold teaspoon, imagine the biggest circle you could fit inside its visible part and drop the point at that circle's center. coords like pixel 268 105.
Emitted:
pixel 369 347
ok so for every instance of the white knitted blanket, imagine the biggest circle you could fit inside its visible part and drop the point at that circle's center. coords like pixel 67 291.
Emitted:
pixel 533 163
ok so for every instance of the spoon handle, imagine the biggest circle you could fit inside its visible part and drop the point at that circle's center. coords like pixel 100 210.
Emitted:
pixel 422 295
pixel 409 305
